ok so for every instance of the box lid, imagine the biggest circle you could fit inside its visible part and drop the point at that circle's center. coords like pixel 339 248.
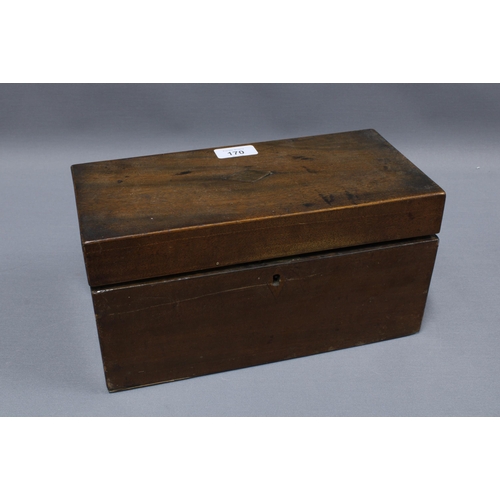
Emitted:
pixel 174 213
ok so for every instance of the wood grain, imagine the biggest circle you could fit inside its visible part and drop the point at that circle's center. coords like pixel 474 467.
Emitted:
pixel 191 325
pixel 175 213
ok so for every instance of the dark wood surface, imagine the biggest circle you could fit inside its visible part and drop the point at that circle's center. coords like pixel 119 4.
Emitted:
pixel 185 326
pixel 175 213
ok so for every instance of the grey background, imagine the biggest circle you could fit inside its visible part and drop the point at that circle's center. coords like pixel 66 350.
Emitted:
pixel 49 354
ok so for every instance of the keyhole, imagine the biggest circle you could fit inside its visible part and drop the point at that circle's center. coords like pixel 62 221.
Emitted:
pixel 276 280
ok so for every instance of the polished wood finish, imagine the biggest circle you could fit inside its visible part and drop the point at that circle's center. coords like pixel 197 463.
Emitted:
pixel 199 265
pixel 173 328
pixel 175 213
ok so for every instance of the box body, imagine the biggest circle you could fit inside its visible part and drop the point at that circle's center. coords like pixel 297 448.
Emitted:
pixel 180 327
pixel 200 264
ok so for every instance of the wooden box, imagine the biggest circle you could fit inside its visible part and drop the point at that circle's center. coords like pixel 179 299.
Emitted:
pixel 216 259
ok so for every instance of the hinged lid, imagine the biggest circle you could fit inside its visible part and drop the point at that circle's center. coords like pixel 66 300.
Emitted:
pixel 174 213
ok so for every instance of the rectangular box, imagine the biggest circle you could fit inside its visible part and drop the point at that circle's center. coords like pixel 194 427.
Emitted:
pixel 200 264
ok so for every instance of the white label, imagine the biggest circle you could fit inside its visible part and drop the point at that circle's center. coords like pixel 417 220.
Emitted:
pixel 236 151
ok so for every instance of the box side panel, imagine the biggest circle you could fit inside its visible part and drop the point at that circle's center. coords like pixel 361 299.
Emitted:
pixel 204 323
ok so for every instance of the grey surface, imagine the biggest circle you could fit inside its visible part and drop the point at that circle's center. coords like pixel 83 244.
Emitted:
pixel 50 362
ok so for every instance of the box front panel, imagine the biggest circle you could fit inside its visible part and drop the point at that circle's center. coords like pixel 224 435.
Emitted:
pixel 197 324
